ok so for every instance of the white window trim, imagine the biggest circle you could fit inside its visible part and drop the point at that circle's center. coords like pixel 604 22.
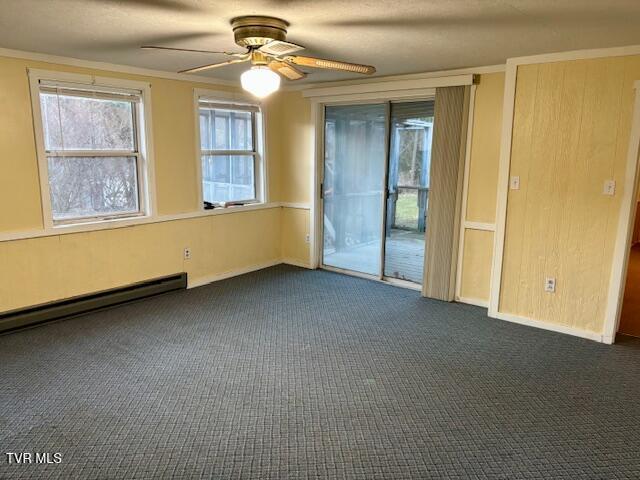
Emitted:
pixel 147 193
pixel 229 99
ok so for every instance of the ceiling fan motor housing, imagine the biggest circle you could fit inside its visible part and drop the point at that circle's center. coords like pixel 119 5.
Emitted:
pixel 254 31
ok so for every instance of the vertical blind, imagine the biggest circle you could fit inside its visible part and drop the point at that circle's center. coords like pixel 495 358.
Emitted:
pixel 447 166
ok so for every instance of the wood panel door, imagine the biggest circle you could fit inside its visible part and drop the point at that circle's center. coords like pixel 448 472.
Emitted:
pixel 630 317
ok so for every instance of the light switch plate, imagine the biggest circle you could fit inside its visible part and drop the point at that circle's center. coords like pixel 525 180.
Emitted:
pixel 514 183
pixel 609 187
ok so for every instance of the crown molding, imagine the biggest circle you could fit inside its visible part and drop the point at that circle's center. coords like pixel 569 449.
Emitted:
pixel 584 54
pixel 112 67
pixel 395 78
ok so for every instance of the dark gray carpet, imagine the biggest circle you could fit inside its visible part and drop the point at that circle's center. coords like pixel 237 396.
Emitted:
pixel 289 373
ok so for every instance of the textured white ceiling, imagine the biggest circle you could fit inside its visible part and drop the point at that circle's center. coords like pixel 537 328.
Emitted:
pixel 403 36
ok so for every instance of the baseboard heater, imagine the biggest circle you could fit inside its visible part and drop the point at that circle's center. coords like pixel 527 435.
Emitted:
pixel 47 312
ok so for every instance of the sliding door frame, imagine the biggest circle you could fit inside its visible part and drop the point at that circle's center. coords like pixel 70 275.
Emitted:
pixel 348 92
pixel 385 187
pixel 318 112
pixel 320 198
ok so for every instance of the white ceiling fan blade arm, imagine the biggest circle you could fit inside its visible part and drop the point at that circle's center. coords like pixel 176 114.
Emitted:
pixel 214 65
pixel 156 47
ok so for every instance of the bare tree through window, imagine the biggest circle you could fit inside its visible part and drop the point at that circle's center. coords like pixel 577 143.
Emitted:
pixel 92 153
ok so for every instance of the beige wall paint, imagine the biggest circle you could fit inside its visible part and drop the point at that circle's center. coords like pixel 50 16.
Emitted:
pixel 41 270
pixel 477 254
pixel 175 149
pixel 485 149
pixel 19 187
pixel 570 134
pixel 44 269
pixel 291 141
pixel 484 159
pixel 295 228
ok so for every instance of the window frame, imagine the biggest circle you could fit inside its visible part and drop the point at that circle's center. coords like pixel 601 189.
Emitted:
pixel 228 100
pixel 143 152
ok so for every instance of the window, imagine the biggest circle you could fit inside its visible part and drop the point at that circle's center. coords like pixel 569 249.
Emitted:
pixel 94 162
pixel 230 152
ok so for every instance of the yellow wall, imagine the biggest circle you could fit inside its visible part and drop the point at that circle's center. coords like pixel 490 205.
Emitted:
pixel 570 134
pixel 484 158
pixel 291 135
pixel 40 270
pixel 50 268
pixel 477 254
pixel 291 141
pixel 295 228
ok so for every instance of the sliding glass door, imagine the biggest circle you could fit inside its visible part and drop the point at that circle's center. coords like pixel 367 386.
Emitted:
pixel 375 188
pixel 353 186
pixel 408 189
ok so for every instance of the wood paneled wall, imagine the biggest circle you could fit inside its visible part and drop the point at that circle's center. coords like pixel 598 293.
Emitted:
pixel 570 133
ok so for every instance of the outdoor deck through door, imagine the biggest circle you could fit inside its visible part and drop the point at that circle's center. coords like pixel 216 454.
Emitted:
pixel 376 187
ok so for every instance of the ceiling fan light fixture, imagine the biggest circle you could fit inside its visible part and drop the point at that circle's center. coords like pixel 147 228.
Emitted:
pixel 264 40
pixel 260 81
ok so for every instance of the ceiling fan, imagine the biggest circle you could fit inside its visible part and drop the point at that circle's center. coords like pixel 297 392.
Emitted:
pixel 264 39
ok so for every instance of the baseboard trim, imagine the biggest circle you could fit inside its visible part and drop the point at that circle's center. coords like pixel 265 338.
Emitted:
pixel 296 263
pixel 473 301
pixel 200 281
pixel 608 339
pixel 576 332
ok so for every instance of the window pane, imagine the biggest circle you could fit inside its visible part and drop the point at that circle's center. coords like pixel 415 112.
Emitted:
pixel 205 131
pixel 226 129
pixel 78 123
pixel 353 188
pixel 92 186
pixel 227 178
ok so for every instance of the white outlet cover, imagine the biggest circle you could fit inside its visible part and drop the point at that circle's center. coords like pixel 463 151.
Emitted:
pixel 514 183
pixel 550 284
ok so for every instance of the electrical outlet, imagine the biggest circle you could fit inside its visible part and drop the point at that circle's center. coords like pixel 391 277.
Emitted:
pixel 514 183
pixel 187 253
pixel 306 238
pixel 550 284
pixel 609 187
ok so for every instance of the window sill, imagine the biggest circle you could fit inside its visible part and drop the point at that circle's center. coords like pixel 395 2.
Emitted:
pixel 95 224
pixel 98 221
pixel 130 222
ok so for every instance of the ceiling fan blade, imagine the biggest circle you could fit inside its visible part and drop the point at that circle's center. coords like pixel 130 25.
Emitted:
pixel 286 70
pixel 154 47
pixel 214 65
pixel 330 64
pixel 279 47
